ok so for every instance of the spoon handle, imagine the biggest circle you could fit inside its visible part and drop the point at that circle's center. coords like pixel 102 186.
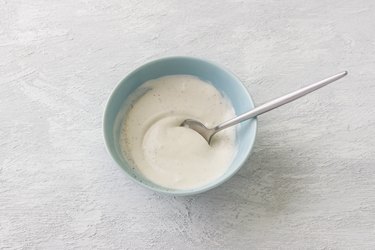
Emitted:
pixel 280 101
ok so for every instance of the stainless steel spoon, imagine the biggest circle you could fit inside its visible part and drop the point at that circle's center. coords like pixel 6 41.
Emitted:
pixel 208 133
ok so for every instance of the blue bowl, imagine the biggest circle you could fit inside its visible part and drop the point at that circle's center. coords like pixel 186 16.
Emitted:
pixel 226 82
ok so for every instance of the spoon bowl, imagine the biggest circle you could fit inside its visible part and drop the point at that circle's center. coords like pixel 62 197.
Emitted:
pixel 207 133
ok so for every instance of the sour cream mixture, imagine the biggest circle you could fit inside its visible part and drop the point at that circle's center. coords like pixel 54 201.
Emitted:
pixel 167 154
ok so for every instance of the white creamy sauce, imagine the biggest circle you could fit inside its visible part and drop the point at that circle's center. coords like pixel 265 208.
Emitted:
pixel 167 154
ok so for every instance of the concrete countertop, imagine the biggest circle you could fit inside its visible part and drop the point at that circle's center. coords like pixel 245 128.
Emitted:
pixel 309 184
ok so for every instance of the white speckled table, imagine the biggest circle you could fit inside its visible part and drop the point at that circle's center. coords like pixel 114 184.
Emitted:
pixel 309 184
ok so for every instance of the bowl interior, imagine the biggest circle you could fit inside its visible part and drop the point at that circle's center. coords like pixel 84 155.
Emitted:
pixel 222 79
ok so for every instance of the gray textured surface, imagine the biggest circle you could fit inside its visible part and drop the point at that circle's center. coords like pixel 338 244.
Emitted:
pixel 310 182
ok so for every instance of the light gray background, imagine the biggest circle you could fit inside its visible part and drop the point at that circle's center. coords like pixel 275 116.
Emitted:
pixel 309 184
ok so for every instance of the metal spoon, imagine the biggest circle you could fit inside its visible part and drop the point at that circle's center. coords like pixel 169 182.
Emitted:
pixel 208 133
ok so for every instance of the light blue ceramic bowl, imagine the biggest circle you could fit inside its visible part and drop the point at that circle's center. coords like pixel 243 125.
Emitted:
pixel 226 82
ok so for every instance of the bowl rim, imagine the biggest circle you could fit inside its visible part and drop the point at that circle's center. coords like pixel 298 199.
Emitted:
pixel 179 192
